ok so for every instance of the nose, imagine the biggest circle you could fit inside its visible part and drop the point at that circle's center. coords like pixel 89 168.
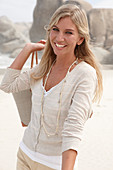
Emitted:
pixel 60 37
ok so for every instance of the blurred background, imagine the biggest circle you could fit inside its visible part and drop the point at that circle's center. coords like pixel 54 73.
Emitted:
pixel 23 21
pixel 22 11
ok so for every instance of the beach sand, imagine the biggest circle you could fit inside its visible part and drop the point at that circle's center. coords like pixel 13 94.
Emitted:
pixel 96 151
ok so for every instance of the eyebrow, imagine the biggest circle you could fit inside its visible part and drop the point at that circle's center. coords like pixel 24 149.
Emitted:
pixel 68 29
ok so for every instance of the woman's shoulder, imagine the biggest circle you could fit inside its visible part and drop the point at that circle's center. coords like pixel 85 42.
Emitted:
pixel 85 70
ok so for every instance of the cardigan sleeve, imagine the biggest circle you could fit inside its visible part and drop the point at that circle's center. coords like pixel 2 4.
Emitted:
pixel 15 81
pixel 79 111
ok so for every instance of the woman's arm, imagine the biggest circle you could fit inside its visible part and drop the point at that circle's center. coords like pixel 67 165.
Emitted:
pixel 79 112
pixel 25 53
pixel 68 159
pixel 15 81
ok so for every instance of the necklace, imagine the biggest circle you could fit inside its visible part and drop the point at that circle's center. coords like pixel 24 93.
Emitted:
pixel 60 101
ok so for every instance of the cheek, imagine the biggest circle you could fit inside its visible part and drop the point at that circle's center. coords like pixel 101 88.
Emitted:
pixel 73 42
pixel 51 37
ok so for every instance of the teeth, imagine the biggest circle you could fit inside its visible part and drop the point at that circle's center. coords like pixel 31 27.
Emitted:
pixel 61 46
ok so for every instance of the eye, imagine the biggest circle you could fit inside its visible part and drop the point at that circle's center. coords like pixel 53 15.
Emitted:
pixel 55 29
pixel 68 32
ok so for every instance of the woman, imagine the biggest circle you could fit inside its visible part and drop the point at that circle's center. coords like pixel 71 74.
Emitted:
pixel 63 86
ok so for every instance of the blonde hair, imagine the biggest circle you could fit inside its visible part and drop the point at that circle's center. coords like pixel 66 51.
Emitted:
pixel 79 18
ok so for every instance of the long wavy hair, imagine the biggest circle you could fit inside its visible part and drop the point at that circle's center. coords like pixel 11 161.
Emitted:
pixel 83 51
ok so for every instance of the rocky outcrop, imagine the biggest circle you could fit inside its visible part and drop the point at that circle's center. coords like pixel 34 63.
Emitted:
pixel 101 54
pixel 23 28
pixel 101 27
pixel 42 13
pixel 11 38
pixel 81 3
pixel 109 58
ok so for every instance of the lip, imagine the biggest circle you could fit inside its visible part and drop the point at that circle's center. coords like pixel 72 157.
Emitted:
pixel 61 46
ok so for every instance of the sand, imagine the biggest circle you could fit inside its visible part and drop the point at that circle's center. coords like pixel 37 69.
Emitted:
pixel 96 152
pixel 97 145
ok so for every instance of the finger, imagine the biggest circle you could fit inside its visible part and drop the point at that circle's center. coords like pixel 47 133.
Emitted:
pixel 42 41
pixel 41 46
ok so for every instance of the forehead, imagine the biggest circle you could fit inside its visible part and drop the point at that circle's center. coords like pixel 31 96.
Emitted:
pixel 66 23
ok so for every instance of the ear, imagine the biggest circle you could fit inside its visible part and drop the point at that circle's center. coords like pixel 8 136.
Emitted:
pixel 80 40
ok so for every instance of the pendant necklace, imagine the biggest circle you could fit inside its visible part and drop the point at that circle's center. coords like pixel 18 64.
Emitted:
pixel 60 101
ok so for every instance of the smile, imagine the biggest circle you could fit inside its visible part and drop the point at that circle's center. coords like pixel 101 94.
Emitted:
pixel 60 46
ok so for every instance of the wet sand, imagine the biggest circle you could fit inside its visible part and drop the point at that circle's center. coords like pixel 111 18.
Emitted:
pixel 96 152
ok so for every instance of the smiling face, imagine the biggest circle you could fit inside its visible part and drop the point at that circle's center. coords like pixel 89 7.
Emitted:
pixel 64 37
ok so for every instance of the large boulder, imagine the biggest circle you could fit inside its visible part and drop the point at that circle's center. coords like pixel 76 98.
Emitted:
pixel 42 13
pixel 108 41
pixel 10 38
pixel 101 27
pixel 81 3
pixel 101 54
pixel 109 59
pixel 24 28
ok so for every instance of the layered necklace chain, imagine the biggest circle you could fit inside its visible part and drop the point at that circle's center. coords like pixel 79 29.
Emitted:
pixel 60 101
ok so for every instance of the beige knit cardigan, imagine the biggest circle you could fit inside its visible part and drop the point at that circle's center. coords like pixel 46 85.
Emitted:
pixel 79 90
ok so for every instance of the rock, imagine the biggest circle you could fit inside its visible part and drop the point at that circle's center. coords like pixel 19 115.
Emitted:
pixel 109 59
pixel 108 42
pixel 81 3
pixel 101 27
pixel 42 13
pixel 101 54
pixel 23 28
pixel 10 46
pixel 111 49
pixel 10 37
pixel 5 24
pixel 7 30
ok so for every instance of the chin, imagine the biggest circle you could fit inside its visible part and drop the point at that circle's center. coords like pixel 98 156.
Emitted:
pixel 59 52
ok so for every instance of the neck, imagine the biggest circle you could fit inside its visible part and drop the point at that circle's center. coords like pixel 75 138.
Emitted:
pixel 64 61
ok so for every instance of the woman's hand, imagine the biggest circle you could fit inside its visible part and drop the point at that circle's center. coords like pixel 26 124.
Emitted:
pixel 36 46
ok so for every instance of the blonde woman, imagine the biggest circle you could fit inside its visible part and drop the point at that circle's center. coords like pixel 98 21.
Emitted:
pixel 64 85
